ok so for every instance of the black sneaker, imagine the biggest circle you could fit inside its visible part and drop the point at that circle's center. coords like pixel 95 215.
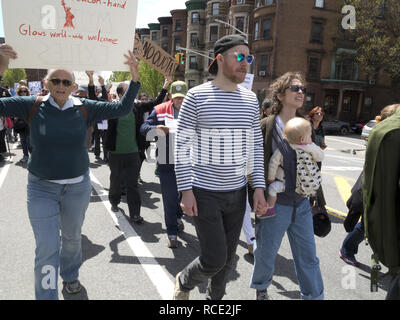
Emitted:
pixel 114 208
pixel 172 242
pixel 137 219
pixel 72 287
pixel 262 295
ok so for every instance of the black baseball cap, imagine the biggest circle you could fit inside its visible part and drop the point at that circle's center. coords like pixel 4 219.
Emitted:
pixel 223 44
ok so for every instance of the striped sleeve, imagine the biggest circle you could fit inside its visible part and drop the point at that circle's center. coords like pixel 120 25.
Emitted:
pixel 183 142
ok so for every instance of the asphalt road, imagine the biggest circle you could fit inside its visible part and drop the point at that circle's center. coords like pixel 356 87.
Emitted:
pixel 124 261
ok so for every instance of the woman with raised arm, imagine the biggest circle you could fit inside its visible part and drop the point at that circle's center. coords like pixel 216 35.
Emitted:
pixel 58 191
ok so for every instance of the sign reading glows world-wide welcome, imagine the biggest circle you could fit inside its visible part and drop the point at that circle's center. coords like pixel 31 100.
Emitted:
pixel 70 34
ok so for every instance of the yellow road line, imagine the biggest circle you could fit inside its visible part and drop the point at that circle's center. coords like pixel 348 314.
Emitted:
pixel 336 213
pixel 343 187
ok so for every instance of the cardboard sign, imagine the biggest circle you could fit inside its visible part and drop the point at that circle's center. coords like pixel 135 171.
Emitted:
pixel 155 56
pixel 70 34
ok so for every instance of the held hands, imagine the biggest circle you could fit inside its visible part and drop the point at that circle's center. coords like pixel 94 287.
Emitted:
pixel 133 65
pixel 260 206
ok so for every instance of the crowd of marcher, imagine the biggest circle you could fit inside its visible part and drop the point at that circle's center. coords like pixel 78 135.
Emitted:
pixel 218 159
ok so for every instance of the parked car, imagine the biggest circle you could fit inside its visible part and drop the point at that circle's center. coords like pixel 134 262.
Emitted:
pixel 357 127
pixel 367 129
pixel 336 126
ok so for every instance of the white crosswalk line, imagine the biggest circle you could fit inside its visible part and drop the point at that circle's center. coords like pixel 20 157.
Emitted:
pixel 154 271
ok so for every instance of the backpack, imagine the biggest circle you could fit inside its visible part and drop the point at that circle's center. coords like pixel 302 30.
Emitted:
pixel 381 201
pixel 89 131
pixel 19 125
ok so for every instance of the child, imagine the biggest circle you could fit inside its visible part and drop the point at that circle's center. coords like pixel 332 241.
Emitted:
pixel 298 133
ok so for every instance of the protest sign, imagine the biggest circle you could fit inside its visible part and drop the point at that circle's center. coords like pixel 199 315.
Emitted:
pixel 155 56
pixel 70 34
pixel 35 87
pixel 248 81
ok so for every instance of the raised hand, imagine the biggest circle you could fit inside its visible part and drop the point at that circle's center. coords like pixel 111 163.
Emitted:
pixel 133 65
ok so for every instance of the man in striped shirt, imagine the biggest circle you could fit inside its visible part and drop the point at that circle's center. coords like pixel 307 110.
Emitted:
pixel 218 143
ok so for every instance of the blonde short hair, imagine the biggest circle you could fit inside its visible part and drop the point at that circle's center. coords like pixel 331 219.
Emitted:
pixel 386 112
pixel 295 129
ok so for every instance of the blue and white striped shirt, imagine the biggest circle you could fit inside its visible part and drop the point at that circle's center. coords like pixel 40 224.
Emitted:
pixel 219 140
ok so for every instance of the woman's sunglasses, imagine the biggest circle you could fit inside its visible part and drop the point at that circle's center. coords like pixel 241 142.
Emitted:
pixel 297 88
pixel 240 57
pixel 22 91
pixel 65 82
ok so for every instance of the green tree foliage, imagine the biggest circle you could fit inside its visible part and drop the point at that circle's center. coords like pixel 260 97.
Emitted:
pixel 377 36
pixel 12 76
pixel 120 76
pixel 151 80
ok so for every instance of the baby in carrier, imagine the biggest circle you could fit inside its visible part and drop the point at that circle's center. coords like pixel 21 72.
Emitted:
pixel 308 180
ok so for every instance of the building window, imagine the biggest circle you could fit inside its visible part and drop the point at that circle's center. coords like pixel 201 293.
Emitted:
pixel 240 1
pixel 269 2
pixel 316 32
pixel 256 30
pixel 266 29
pixel 194 40
pixel 319 3
pixel 313 68
pixel 193 62
pixel 165 31
pixel 213 33
pixel 239 24
pixel 263 65
pixel 191 84
pixel 164 46
pixel 154 36
pixel 310 101
pixel 178 25
pixel 210 56
pixel 215 9
pixel 195 18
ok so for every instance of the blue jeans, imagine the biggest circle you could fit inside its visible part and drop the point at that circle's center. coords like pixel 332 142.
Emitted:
pixel 53 207
pixel 171 198
pixel 353 239
pixel 300 232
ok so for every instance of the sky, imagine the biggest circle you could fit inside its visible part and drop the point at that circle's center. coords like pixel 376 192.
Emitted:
pixel 148 11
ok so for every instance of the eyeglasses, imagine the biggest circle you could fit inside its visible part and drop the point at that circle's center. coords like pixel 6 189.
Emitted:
pixel 297 88
pixel 240 57
pixel 65 82
pixel 23 91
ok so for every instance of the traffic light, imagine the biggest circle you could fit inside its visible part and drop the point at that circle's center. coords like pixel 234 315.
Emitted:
pixel 180 58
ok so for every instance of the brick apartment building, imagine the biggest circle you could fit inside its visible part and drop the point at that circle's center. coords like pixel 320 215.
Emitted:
pixel 284 35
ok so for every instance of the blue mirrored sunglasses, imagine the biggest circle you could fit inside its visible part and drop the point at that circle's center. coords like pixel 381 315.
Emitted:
pixel 240 57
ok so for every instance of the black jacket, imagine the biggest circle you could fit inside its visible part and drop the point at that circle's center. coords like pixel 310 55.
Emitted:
pixel 139 109
pixel 355 205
